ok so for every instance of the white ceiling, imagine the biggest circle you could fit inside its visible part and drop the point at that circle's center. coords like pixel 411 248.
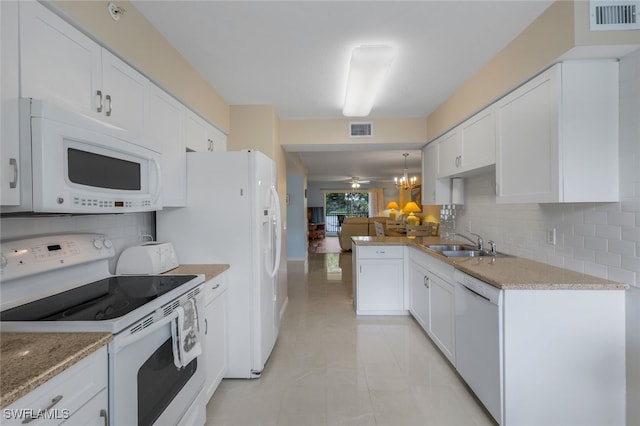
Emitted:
pixel 295 54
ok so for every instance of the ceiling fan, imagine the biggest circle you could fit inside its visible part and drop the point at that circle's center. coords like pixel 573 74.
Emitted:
pixel 356 181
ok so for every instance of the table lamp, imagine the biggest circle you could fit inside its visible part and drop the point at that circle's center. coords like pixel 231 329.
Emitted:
pixel 393 206
pixel 411 207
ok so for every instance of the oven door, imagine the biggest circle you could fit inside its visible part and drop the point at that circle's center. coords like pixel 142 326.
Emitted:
pixel 145 386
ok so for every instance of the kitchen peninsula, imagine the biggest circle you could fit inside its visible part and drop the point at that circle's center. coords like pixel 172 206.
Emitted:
pixel 537 335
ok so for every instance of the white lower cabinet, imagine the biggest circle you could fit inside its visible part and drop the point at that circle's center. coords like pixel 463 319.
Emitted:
pixel 419 292
pixel 93 413
pixel 432 299
pixel 77 396
pixel 442 315
pixel 215 333
pixel 379 286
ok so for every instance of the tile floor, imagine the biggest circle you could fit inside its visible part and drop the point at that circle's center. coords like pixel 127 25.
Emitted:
pixel 330 367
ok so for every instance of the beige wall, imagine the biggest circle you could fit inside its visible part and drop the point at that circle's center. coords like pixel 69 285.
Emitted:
pixel 537 46
pixel 134 39
pixel 330 132
pixel 561 28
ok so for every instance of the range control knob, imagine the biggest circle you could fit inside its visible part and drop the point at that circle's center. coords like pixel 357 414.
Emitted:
pixel 107 244
pixel 98 244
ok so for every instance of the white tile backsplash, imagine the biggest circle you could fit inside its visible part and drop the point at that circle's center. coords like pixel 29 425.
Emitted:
pixel 124 230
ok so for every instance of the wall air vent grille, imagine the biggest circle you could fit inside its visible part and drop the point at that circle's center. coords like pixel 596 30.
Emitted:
pixel 613 15
pixel 361 130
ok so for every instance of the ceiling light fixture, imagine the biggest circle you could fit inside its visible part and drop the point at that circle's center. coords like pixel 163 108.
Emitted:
pixel 368 66
pixel 406 182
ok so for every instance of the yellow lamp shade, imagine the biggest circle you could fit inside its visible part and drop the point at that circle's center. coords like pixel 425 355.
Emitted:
pixel 393 205
pixel 411 207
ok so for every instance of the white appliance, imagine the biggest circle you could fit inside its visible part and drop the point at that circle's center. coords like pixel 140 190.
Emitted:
pixel 72 163
pixel 478 342
pixel 233 216
pixel 61 283
pixel 149 258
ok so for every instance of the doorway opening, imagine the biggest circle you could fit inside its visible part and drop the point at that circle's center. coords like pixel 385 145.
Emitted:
pixel 341 204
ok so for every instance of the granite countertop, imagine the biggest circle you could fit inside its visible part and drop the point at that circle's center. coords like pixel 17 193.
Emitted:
pixel 508 273
pixel 28 360
pixel 209 270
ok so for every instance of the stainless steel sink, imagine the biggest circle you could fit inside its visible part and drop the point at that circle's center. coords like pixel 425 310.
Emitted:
pixel 450 247
pixel 462 253
pixel 462 250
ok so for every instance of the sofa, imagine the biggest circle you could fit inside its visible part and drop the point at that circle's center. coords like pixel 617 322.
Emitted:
pixel 358 227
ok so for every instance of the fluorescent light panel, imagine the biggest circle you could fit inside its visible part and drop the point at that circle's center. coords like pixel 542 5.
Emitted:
pixel 367 69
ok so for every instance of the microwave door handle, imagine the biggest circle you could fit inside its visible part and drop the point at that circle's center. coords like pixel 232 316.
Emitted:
pixel 156 166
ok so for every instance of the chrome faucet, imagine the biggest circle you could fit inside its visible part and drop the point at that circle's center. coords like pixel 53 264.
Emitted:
pixel 493 251
pixel 479 244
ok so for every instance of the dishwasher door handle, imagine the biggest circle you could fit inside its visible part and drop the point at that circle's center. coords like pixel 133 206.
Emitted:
pixel 476 293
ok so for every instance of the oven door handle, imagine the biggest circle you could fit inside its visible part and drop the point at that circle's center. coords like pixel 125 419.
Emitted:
pixel 119 344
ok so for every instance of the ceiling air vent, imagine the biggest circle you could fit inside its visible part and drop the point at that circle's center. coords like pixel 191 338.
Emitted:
pixel 361 130
pixel 613 15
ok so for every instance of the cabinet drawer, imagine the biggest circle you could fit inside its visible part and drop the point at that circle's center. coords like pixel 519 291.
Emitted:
pixel 72 389
pixel 214 288
pixel 381 252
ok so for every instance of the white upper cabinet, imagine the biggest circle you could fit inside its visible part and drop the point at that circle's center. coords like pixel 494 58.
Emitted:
pixel 448 151
pixel 165 130
pixel 59 64
pixel 125 95
pixel 218 139
pixel 9 129
pixel 557 136
pixel 478 141
pixel 469 146
pixel 196 137
pixel 434 190
pixel 201 136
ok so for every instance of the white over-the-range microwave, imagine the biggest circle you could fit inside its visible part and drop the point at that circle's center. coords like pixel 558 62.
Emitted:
pixel 72 163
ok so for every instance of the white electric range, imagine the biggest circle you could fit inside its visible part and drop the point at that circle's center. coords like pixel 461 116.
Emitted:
pixel 61 283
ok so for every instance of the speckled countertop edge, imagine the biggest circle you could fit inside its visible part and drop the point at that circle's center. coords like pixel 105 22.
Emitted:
pixel 209 270
pixel 507 273
pixel 28 360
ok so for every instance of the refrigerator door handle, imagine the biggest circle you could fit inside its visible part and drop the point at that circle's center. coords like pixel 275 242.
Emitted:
pixel 276 204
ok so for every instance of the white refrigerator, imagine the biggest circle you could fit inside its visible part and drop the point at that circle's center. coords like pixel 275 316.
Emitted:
pixel 233 216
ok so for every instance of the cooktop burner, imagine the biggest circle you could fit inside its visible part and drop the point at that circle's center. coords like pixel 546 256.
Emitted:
pixel 105 299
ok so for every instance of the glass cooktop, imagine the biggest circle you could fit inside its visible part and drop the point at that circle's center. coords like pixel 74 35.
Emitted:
pixel 105 299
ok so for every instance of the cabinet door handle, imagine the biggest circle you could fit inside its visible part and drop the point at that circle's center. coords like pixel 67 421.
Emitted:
pixel 206 327
pixel 426 281
pixel 14 182
pixel 54 401
pixel 99 100
pixel 105 415
pixel 215 286
pixel 108 99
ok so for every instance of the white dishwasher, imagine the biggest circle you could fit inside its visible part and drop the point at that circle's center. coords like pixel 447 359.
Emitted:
pixel 478 340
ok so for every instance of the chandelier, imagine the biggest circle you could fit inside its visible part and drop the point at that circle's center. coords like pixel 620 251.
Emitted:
pixel 406 182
